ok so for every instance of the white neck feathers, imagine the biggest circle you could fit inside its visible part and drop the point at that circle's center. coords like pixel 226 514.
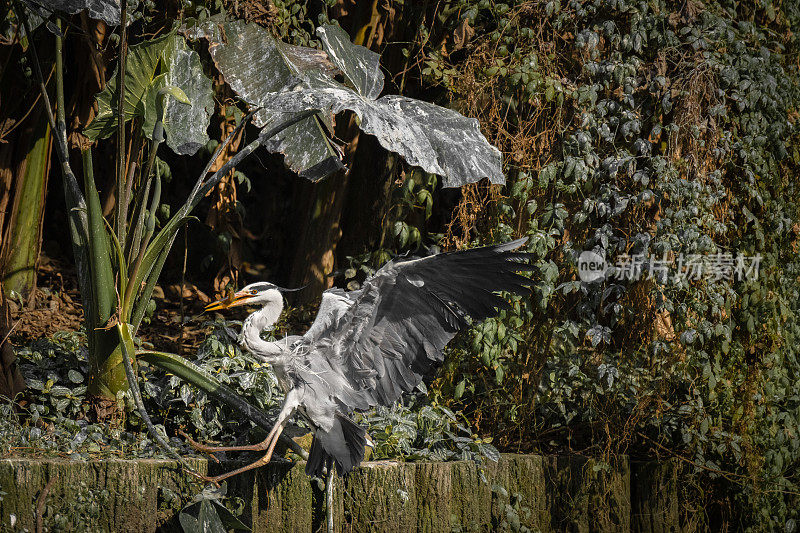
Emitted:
pixel 262 320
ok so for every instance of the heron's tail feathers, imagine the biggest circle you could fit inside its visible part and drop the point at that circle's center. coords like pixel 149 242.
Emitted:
pixel 343 445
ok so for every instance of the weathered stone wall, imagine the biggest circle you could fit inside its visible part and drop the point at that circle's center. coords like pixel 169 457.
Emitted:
pixel 543 493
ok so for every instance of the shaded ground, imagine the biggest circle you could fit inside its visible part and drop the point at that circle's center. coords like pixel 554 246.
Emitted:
pixel 178 324
pixel 57 307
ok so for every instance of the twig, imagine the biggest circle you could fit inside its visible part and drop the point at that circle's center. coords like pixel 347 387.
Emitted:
pixel 40 502
pixel 224 144
pixel 197 195
pixel 61 148
pixel 10 331
pixel 183 283
pixel 137 399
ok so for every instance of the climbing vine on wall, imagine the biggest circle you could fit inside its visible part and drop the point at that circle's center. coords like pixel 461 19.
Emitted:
pixel 638 129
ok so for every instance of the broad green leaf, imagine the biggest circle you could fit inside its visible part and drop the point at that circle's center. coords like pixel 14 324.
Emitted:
pixel 256 65
pixel 439 140
pixel 102 275
pixel 141 69
pixel 154 65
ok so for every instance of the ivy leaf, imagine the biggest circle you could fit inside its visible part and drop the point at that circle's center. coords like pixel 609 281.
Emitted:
pixel 207 520
pixel 459 391
pixel 489 451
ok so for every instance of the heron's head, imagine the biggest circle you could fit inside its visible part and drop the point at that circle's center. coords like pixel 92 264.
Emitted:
pixel 260 293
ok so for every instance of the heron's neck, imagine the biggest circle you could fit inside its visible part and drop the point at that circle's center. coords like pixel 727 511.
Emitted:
pixel 259 321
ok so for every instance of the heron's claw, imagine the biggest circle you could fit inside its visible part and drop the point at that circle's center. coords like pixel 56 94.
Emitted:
pixel 203 477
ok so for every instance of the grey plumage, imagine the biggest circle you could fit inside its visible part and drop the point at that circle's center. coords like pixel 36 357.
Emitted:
pixel 368 347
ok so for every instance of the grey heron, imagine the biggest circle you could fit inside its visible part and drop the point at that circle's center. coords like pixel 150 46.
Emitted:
pixel 368 346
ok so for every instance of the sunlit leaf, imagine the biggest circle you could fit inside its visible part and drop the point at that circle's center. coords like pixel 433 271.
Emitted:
pixel 439 140
pixel 152 66
pixel 255 65
pixel 105 10
pixel 140 71
pixel 185 122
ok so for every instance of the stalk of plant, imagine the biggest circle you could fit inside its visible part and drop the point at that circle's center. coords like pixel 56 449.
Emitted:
pixel 118 269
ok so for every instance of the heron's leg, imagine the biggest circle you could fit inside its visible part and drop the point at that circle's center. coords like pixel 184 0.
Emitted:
pixel 263 445
pixel 255 464
pixel 289 406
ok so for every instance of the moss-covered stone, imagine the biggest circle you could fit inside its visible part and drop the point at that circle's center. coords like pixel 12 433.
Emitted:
pixel 520 476
pixel 543 493
pixel 585 495
pixel 108 495
pixel 380 496
pixel 654 497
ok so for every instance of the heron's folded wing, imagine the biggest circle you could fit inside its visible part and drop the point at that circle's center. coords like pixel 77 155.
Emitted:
pixel 394 332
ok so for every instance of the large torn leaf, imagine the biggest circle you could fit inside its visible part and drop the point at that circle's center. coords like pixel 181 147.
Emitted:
pixel 152 65
pixel 361 65
pixel 105 10
pixel 439 140
pixel 255 65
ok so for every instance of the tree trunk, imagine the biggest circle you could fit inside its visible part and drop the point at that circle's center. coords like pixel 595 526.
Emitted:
pixel 371 179
pixel 11 381
pixel 321 205
pixel 313 258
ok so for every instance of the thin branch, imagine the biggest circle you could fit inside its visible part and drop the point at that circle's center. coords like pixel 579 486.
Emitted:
pixel 61 151
pixel 195 198
pixel 163 240
pixel 220 149
pixel 121 210
pixel 61 122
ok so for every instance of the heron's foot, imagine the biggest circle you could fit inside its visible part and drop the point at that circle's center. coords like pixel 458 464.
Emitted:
pixel 255 464
pixel 261 446
pixel 203 477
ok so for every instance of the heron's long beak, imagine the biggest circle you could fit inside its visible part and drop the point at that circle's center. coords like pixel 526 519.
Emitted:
pixel 232 300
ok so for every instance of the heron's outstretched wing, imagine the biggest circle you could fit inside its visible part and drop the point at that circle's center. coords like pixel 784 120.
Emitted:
pixel 334 305
pixel 395 330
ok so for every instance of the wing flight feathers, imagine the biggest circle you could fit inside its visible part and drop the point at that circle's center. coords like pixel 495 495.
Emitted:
pixel 390 333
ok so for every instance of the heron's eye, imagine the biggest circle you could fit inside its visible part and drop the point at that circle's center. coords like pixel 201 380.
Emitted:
pixel 253 291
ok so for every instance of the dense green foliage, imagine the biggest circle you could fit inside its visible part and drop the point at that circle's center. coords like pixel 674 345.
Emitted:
pixel 627 128
pixel 655 129
pixel 57 419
